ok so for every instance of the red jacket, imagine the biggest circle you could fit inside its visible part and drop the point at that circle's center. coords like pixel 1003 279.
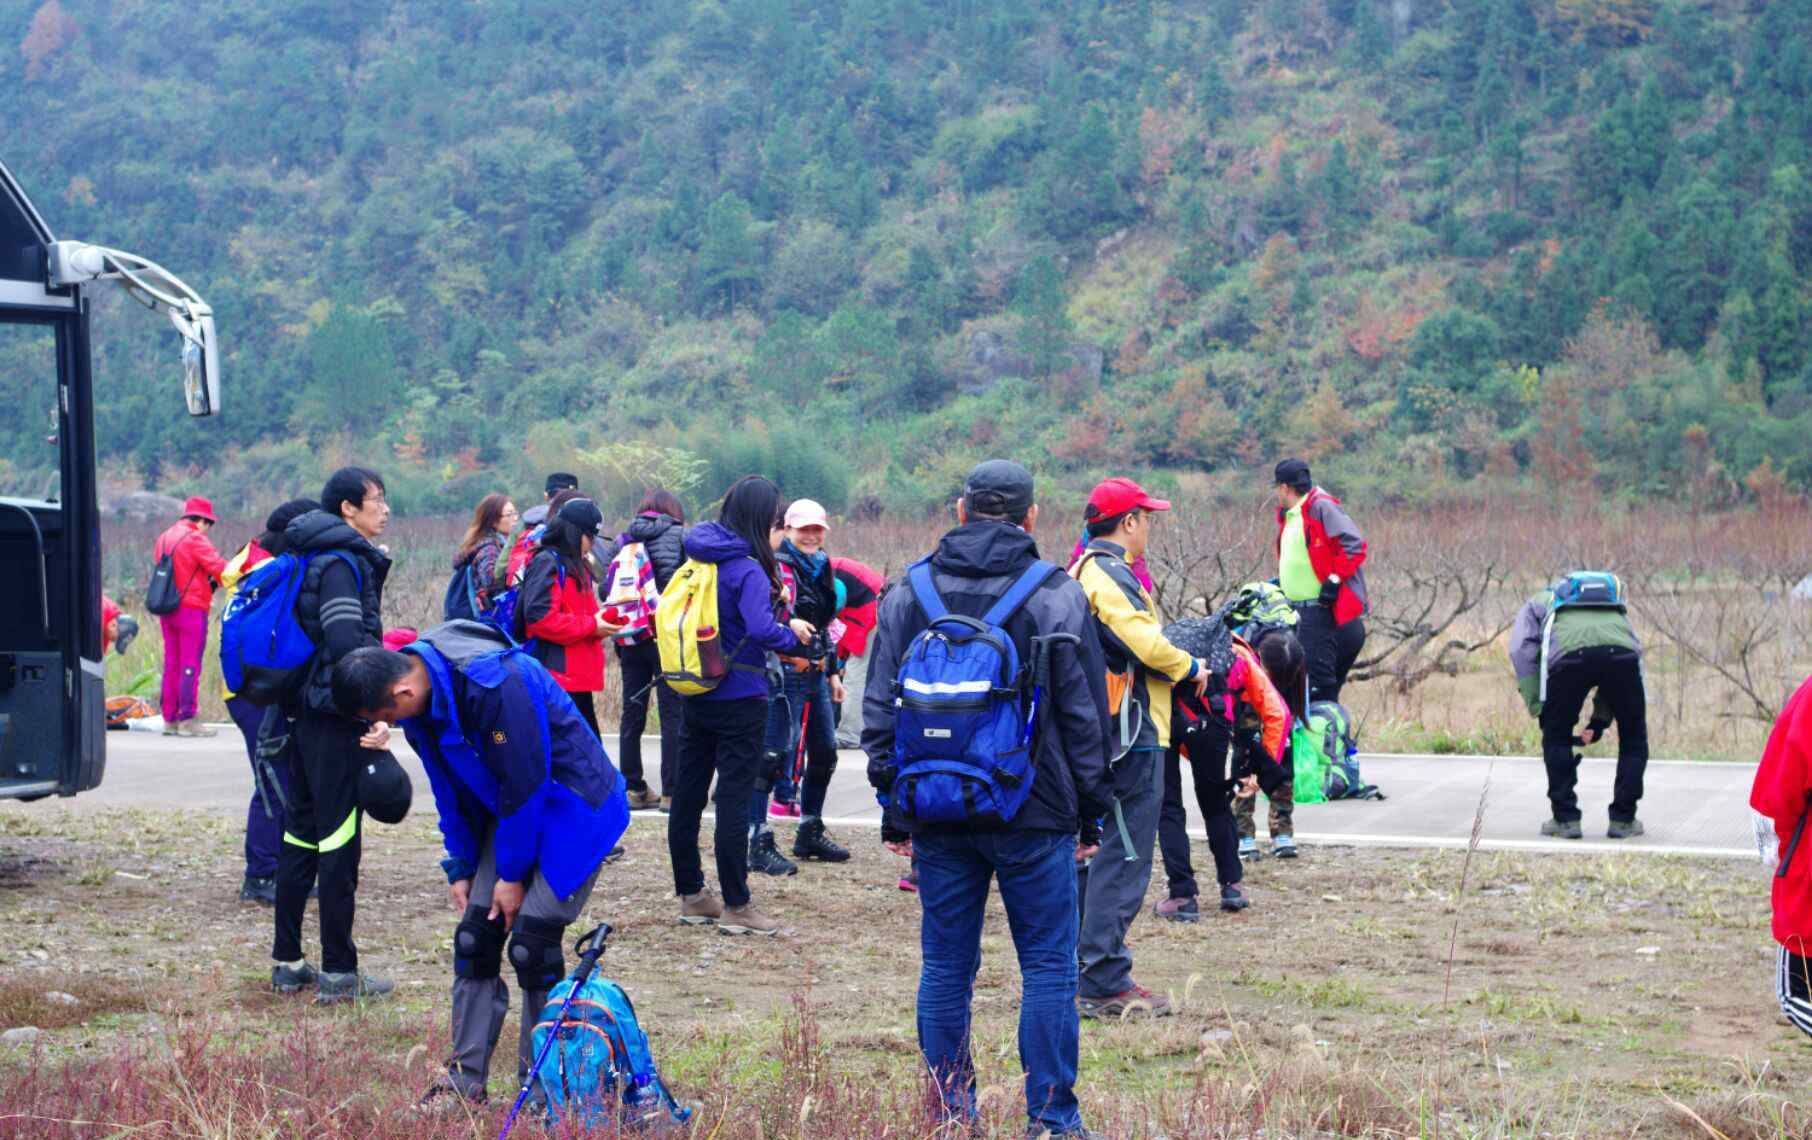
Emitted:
pixel 560 613
pixel 1781 794
pixel 862 592
pixel 1335 547
pixel 197 564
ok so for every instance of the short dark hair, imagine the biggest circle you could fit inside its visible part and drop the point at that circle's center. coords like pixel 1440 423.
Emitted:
pixel 560 481
pixel 348 485
pixel 1107 524
pixel 363 679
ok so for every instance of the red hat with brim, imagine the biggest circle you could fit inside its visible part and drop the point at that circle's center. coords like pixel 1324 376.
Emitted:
pixel 199 508
pixel 1118 495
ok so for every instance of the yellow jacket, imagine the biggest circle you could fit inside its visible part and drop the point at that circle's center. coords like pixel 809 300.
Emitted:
pixel 1142 664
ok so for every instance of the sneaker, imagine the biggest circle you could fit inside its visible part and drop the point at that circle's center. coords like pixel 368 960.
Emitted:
pixel 1135 1002
pixel 194 727
pixel 910 881
pixel 1179 910
pixel 666 805
pixel 643 800
pixel 1040 1132
pixel 352 985
pixel 1232 898
pixel 782 809
pixel 746 919
pixel 813 842
pixel 1568 829
pixel 765 856
pixel 442 1099
pixel 286 979
pixel 1623 828
pixel 262 891
pixel 169 729
pixel 1248 849
pixel 616 853
pixel 1283 846
pixel 700 909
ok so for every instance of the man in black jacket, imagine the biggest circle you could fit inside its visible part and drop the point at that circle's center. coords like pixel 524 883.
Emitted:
pixel 1033 855
pixel 339 607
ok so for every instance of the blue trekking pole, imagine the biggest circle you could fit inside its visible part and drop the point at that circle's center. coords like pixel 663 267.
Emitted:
pixel 590 948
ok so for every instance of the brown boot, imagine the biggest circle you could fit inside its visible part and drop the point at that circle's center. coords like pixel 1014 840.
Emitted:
pixel 746 919
pixel 700 909
pixel 643 800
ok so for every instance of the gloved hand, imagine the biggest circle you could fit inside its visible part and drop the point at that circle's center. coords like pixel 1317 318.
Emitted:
pixel 1089 835
pixel 891 832
pixel 1330 593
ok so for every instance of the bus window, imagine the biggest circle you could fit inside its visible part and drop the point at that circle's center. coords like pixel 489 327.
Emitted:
pixel 29 467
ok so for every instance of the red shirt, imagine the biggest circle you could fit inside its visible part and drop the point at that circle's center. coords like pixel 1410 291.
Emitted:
pixel 1781 792
pixel 198 565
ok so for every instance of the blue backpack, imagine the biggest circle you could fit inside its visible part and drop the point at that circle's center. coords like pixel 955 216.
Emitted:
pixel 962 748
pixel 461 601
pixel 600 1058
pixel 263 649
pixel 1595 589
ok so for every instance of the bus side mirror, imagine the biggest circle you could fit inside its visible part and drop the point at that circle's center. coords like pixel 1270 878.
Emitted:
pixel 200 365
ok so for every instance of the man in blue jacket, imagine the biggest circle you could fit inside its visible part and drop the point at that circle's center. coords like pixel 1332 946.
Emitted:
pixel 529 807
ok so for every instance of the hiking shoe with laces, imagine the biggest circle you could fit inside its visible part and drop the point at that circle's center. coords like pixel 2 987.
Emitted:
pixel 1135 1002
pixel 287 979
pixel 1283 846
pixel 262 891
pixel 783 809
pixel 353 985
pixel 1232 898
pixel 746 919
pixel 443 1100
pixel 765 856
pixel 1179 910
pixel 1624 829
pixel 1567 829
pixel 1248 849
pixel 195 728
pixel 813 842
pixel 700 909
pixel 643 800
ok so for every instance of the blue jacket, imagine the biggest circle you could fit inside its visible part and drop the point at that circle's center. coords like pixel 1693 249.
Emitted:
pixel 745 610
pixel 508 754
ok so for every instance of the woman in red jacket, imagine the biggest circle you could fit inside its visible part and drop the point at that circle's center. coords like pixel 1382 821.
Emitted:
pixel 558 613
pixel 1782 799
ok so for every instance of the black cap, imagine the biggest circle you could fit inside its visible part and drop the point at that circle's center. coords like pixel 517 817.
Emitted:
pixel 999 487
pixel 278 520
pixel 1294 473
pixel 561 481
pixel 584 515
pixel 384 789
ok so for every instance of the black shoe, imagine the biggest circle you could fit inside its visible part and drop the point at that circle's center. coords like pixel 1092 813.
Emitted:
pixel 1564 829
pixel 1624 829
pixel 350 986
pixel 765 857
pixel 813 843
pixel 288 980
pixel 258 890
pixel 1232 898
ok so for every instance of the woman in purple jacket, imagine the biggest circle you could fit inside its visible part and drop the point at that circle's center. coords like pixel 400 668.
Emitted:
pixel 723 728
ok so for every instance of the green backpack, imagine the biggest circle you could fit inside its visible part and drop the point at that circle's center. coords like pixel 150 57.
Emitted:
pixel 1258 607
pixel 1332 743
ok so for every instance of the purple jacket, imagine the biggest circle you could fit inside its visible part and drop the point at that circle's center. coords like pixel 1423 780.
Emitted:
pixel 744 608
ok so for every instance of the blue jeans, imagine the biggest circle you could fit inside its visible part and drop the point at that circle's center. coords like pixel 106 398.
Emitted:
pixel 1037 873
pixel 785 712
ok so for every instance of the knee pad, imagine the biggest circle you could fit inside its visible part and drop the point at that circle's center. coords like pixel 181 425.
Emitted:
pixel 478 945
pixel 536 953
pixel 773 766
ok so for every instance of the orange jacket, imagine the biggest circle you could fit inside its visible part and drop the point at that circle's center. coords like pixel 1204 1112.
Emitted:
pixel 1251 685
pixel 197 564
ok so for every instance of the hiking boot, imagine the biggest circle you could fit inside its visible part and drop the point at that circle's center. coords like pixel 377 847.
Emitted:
pixel 910 881
pixel 1248 849
pixel 1135 1002
pixel 813 842
pixel 666 805
pixel 352 985
pixel 258 890
pixel 765 856
pixel 700 909
pixel 746 919
pixel 1283 846
pixel 1567 829
pixel 643 800
pixel 287 979
pixel 1624 829
pixel 443 1100
pixel 1040 1132
pixel 1179 910
pixel 194 727
pixel 783 809
pixel 1233 899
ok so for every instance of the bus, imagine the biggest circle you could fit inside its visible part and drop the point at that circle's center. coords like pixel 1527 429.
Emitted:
pixel 52 691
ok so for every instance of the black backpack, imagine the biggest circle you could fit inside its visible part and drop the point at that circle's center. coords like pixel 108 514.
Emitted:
pixel 162 597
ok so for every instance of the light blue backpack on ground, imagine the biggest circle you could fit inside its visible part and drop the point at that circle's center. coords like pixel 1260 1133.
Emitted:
pixel 600 1067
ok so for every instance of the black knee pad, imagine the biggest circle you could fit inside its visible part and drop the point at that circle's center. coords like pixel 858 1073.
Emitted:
pixel 773 766
pixel 478 945
pixel 536 952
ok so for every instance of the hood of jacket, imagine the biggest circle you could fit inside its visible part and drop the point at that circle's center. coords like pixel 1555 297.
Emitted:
pixel 647 528
pixel 461 641
pixel 984 549
pixel 715 542
pixel 318 530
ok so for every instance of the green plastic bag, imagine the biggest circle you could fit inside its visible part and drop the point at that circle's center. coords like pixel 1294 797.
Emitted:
pixel 1308 764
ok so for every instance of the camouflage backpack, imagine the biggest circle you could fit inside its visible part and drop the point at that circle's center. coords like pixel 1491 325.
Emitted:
pixel 1257 608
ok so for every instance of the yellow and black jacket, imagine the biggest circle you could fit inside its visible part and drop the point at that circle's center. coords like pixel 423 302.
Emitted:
pixel 1142 664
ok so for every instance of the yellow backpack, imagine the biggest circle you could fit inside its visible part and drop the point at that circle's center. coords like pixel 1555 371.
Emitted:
pixel 686 630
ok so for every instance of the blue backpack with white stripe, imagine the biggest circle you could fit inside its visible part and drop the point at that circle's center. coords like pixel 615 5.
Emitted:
pixel 962 746
pixel 264 651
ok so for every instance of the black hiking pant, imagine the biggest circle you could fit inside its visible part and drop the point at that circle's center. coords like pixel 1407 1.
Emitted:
pixel 1329 649
pixel 722 738
pixel 321 840
pixel 1214 796
pixel 641 664
pixel 1617 676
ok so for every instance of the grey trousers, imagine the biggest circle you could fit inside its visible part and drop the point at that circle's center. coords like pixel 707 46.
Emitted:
pixel 1117 879
pixel 480 1004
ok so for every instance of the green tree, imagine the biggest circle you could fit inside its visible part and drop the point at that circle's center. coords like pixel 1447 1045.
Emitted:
pixel 1045 329
pixel 728 255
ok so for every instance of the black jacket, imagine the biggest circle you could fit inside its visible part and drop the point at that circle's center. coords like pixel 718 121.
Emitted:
pixel 338 611
pixel 662 536
pixel 972 566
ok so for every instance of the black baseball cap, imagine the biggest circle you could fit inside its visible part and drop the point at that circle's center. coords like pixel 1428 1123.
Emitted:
pixel 999 487
pixel 1293 473
pixel 584 515
pixel 562 481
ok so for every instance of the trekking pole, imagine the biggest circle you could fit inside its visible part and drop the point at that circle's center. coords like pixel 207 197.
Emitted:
pixel 590 948
pixel 805 722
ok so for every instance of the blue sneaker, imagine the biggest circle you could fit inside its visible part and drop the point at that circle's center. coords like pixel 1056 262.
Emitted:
pixel 1284 846
pixel 1248 849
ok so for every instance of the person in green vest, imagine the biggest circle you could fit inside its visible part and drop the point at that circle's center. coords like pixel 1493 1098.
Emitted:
pixel 1320 560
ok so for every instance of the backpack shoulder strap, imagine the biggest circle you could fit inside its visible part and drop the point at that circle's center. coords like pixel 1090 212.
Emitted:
pixel 925 590
pixel 358 575
pixel 1019 592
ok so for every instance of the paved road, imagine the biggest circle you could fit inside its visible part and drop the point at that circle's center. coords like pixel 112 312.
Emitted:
pixel 1690 807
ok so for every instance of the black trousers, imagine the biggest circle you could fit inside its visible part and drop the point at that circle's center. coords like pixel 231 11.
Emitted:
pixel 1617 676
pixel 321 840
pixel 721 737
pixel 587 704
pixel 1330 649
pixel 641 664
pixel 1214 795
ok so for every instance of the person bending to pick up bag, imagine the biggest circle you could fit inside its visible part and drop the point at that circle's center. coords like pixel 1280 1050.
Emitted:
pixel 1566 642
pixel 529 808
pixel 1781 798
pixel 982 776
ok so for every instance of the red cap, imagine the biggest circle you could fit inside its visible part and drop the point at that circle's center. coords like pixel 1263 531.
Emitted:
pixel 198 508
pixel 1118 495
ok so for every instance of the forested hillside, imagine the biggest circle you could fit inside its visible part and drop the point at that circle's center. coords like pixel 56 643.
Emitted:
pixel 857 243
